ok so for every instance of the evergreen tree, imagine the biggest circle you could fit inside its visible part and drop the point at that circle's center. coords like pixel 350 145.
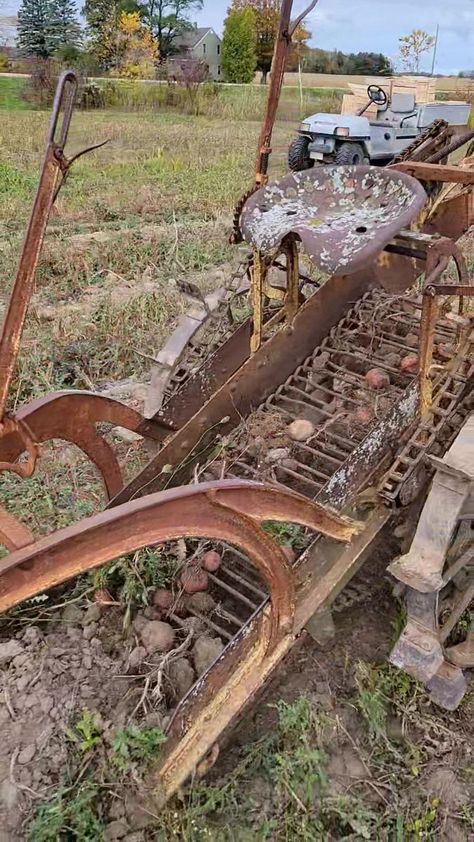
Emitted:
pixel 33 32
pixel 239 57
pixel 64 29
pixel 46 27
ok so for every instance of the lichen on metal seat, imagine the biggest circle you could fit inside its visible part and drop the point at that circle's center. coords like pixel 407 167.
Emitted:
pixel 343 216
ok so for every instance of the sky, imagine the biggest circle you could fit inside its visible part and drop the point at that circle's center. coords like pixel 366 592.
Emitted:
pixel 375 25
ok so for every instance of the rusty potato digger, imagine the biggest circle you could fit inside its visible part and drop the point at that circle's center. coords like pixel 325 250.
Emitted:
pixel 339 403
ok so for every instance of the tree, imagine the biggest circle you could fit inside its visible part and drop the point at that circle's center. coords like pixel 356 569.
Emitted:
pixel 65 34
pixel 239 57
pixel 190 73
pixel 166 20
pixel 103 17
pixel 33 28
pixel 47 27
pixel 266 17
pixel 413 46
pixel 298 51
pixel 137 49
pixel 372 64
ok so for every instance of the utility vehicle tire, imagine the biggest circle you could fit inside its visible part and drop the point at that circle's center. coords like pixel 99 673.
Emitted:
pixel 350 153
pixel 298 155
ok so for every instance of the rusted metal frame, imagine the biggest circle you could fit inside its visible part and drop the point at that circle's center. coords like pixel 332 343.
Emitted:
pixel 292 278
pixel 282 43
pixel 455 144
pixel 259 273
pixel 437 260
pixel 429 317
pixel 436 172
pixel 209 378
pixel 13 534
pixel 453 216
pixel 423 436
pixel 19 429
pixel 260 375
pixel 53 166
pixel 354 473
pixel 71 416
pixel 233 681
pixel 227 511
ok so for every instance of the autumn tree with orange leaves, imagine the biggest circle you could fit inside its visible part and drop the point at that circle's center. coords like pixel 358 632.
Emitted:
pixel 137 48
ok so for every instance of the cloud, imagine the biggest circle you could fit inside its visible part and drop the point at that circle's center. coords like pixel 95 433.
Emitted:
pixel 354 25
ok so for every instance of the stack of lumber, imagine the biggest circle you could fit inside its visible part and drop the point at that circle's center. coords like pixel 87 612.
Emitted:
pixel 423 88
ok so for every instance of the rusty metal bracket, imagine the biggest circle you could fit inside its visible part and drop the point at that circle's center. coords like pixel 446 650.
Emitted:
pixel 53 172
pixel 229 511
pixel 436 172
pixel 71 416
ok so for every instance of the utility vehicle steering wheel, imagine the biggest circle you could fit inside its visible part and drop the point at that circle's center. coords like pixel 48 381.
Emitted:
pixel 377 95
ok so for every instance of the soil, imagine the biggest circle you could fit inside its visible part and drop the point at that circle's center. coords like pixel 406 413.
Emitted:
pixel 327 676
pixel 84 660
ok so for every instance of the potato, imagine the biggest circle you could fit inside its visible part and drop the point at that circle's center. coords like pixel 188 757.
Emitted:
pixel 300 430
pixel 376 378
pixel 409 364
pixel 194 579
pixel 363 415
pixel 163 598
pixel 211 561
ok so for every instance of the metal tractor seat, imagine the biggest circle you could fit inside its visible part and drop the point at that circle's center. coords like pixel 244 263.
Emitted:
pixel 343 216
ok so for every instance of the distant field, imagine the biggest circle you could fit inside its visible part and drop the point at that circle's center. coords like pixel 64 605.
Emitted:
pixel 329 80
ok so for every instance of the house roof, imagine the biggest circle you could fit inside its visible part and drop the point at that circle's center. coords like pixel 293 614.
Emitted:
pixel 190 39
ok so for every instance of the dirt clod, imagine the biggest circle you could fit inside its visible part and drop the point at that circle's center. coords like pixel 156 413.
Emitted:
pixel 72 615
pixel 445 785
pixel 26 755
pixel 92 615
pixel 115 830
pixel 136 657
pixel 157 636
pixel 9 650
pixel 277 454
pixel 300 430
pixel 181 675
pixel 290 553
pixel 202 603
pixel 205 651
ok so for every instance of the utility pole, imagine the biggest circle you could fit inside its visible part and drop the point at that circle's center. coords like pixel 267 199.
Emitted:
pixel 434 49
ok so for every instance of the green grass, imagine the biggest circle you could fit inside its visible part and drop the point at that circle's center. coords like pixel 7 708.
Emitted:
pixel 10 93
